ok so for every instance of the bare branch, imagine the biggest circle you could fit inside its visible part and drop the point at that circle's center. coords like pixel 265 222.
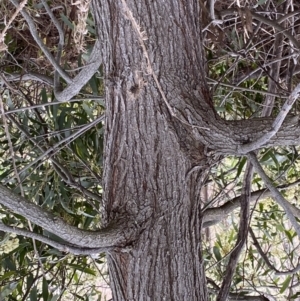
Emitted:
pixel 67 140
pixel 62 247
pixel 260 251
pixel 3 33
pixel 82 77
pixel 51 104
pixel 15 77
pixel 235 296
pixel 289 272
pixel 242 234
pixel 213 216
pixel 117 234
pixel 275 192
pixel 244 149
pixel 272 23
pixel 274 76
pixel 236 87
pixel 55 22
pixel 40 43
pixel 267 261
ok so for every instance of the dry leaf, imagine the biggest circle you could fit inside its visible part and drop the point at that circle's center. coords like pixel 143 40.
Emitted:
pixel 248 22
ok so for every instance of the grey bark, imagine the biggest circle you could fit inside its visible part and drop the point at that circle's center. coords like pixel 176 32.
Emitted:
pixel 82 77
pixel 148 153
pixel 112 235
pixel 160 125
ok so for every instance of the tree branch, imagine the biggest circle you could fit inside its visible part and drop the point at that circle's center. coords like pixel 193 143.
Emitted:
pixel 60 246
pixel 242 234
pixel 275 192
pixel 272 23
pixel 213 216
pixel 260 251
pixel 14 77
pixel 117 234
pixel 246 148
pixel 267 261
pixel 82 77
pixel 40 43
pixel 235 296
pixel 41 105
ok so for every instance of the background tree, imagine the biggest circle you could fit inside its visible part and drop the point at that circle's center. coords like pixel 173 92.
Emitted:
pixel 196 99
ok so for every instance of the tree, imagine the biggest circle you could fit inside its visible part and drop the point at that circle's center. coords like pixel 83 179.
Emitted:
pixel 162 136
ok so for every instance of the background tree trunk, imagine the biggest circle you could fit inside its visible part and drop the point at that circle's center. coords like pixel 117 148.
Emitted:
pixel 149 158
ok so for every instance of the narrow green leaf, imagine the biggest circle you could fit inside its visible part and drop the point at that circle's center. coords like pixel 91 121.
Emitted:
pixel 6 275
pixel 45 289
pixel 217 253
pixel 33 294
pixel 83 269
pixel 240 167
pixel 66 20
pixel 285 284
pixel 289 235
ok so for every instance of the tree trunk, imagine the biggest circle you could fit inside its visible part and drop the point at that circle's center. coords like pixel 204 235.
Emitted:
pixel 153 58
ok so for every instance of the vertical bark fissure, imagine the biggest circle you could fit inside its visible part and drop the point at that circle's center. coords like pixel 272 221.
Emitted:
pixel 146 162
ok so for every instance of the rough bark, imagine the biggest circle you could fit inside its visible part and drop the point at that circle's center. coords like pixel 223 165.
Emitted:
pixel 148 153
pixel 162 133
pixel 160 129
pixel 110 236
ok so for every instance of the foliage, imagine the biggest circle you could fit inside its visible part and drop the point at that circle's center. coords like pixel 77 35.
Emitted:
pixel 57 179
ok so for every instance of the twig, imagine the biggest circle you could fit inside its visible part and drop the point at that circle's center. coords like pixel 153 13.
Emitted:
pixel 267 261
pixel 60 43
pixel 61 170
pixel 51 104
pixel 276 194
pixel 55 22
pixel 242 234
pixel 11 150
pixel 260 251
pixel 236 87
pixel 289 272
pixel 267 21
pixel 67 140
pixel 214 215
pixel 212 13
pixel 3 33
pixel 40 43
pixel 269 101
pixel 82 77
pixel 246 148
pixel 30 76
pixel 235 296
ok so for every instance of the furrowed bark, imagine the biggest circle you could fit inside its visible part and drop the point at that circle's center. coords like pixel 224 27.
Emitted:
pixel 160 125
pixel 117 234
pixel 147 152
